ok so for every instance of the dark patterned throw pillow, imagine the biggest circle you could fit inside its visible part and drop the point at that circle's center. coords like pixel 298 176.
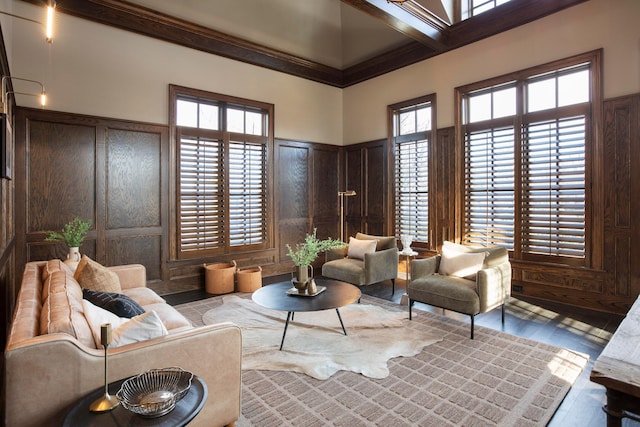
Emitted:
pixel 119 304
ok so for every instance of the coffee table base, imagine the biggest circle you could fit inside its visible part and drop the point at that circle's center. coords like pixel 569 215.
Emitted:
pixel 290 315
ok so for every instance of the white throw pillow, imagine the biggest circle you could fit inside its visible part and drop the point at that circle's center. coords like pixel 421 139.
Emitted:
pixel 357 248
pixel 461 264
pixel 143 327
pixel 123 331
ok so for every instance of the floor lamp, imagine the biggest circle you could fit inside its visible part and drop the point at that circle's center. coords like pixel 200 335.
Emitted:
pixel 341 196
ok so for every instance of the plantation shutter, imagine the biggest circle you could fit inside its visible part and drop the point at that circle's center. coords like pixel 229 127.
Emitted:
pixel 489 174
pixel 201 197
pixel 554 187
pixel 247 193
pixel 412 185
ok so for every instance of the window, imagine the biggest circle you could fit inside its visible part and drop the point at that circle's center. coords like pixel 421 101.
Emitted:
pixel 223 146
pixel 527 137
pixel 475 7
pixel 412 123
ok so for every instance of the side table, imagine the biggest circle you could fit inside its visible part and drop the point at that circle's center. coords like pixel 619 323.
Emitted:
pixel 185 411
pixel 408 254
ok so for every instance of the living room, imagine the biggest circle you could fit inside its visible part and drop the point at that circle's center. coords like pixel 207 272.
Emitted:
pixel 104 148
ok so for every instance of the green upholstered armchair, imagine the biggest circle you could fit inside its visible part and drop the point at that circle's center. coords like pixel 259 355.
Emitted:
pixel 364 267
pixel 465 279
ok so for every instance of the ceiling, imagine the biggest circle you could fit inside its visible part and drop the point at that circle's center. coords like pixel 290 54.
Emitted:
pixel 336 42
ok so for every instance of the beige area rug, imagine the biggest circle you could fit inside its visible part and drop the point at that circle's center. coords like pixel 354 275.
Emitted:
pixel 315 343
pixel 496 379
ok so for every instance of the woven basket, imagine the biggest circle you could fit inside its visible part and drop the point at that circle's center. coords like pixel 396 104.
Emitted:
pixel 219 277
pixel 249 279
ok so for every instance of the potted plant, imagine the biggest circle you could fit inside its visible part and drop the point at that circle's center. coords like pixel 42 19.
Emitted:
pixel 72 234
pixel 306 252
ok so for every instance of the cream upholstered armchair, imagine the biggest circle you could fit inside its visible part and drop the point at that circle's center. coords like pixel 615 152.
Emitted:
pixel 465 279
pixel 365 260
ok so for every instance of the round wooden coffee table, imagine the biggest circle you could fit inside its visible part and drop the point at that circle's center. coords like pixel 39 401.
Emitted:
pixel 337 294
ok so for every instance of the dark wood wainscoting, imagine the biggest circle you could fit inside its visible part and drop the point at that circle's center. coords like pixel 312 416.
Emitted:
pixel 367 172
pixel 109 171
pixel 307 183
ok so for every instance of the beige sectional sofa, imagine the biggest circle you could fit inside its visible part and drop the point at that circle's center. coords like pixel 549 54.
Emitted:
pixel 51 360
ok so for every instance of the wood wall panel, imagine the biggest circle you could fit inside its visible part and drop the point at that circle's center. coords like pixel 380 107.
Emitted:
pixel 367 174
pixel 622 204
pixel 145 250
pixel 326 171
pixel 61 174
pixel 443 188
pixel 133 179
pixel 110 171
pixel 293 180
pixel 307 177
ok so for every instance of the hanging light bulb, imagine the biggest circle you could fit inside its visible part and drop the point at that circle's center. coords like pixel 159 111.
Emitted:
pixel 49 23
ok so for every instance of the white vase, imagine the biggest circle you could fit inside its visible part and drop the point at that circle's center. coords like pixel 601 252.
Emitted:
pixel 73 258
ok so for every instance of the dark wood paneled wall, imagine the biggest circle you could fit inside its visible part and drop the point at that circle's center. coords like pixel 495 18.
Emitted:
pixel 367 172
pixel 109 171
pixel 307 182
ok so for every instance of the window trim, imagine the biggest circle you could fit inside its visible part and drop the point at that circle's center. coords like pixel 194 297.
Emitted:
pixel 175 92
pixel 594 187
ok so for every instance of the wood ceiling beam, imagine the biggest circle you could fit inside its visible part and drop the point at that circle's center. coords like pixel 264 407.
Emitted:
pixel 420 27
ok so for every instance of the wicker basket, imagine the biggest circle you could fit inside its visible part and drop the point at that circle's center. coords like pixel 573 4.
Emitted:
pixel 219 277
pixel 249 279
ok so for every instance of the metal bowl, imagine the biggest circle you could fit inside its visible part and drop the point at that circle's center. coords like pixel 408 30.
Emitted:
pixel 156 392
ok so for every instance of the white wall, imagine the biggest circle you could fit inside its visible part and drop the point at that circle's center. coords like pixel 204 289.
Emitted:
pixel 98 70
pixel 610 24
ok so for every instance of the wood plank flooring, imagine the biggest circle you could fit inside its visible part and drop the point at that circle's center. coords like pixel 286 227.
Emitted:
pixel 578 330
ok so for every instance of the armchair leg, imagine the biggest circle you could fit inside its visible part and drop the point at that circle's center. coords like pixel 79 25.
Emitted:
pixel 393 286
pixel 410 305
pixel 502 314
pixel 472 320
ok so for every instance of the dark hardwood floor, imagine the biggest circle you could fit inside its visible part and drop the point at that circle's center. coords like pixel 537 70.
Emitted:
pixel 578 330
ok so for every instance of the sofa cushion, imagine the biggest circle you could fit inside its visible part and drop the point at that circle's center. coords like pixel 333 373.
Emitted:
pixel 494 255
pixel 358 248
pixel 460 264
pixel 50 267
pixel 124 331
pixel 143 296
pixel 347 270
pixel 92 275
pixel 171 318
pixel 383 242
pixel 119 304
pixel 62 311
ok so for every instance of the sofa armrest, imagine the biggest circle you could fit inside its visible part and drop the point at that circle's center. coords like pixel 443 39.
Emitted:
pixel 424 266
pixel 131 275
pixel 494 286
pixel 63 370
pixel 381 265
pixel 336 253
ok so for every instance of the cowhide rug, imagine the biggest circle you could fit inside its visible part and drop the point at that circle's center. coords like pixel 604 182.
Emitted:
pixel 315 344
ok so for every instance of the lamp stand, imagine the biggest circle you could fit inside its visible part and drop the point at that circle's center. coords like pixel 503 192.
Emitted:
pixel 341 196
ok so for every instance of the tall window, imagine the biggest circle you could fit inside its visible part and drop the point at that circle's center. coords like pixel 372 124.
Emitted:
pixel 527 138
pixel 223 146
pixel 412 123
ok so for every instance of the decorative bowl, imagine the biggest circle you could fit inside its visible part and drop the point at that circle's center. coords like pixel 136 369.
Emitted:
pixel 156 392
